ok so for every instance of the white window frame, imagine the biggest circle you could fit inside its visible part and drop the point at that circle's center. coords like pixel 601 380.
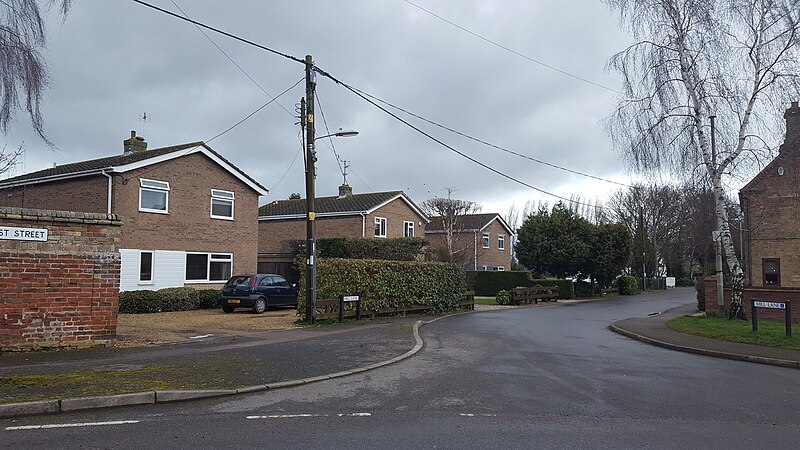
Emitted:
pixel 380 226
pixel 408 229
pixel 209 259
pixel 501 242
pixel 152 266
pixel 222 196
pixel 485 240
pixel 501 268
pixel 146 184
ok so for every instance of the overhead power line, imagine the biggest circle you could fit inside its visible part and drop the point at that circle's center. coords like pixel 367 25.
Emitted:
pixel 511 50
pixel 359 94
pixel 481 141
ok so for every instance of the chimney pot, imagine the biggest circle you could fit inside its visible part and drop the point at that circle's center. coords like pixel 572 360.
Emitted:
pixel 345 191
pixel 792 140
pixel 136 144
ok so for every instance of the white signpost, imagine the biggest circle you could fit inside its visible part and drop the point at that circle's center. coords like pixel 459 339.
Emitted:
pixel 785 306
pixel 23 234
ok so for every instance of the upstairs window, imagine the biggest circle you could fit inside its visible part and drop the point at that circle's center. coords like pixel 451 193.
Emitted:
pixel 153 196
pixel 408 229
pixel 501 242
pixel 221 204
pixel 380 227
pixel 772 271
pixel 485 240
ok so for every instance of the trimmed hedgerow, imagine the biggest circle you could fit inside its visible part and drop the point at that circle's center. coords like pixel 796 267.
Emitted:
pixel 627 285
pixel 503 297
pixel 386 284
pixel 169 299
pixel 396 249
pixel 489 283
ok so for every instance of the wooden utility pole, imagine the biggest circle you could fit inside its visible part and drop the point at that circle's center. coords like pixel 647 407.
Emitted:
pixel 311 158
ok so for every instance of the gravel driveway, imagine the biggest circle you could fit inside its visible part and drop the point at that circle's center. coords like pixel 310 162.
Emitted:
pixel 135 330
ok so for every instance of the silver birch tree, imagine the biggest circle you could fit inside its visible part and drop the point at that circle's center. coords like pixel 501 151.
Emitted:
pixel 737 60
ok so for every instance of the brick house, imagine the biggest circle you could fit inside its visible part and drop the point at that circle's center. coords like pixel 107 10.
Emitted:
pixel 481 241
pixel 189 216
pixel 771 206
pixel 282 223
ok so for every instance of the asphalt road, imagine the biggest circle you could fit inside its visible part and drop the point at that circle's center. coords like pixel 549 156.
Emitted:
pixel 545 377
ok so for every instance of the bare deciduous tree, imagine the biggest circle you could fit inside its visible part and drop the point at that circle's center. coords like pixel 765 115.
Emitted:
pixel 451 212
pixel 23 71
pixel 734 59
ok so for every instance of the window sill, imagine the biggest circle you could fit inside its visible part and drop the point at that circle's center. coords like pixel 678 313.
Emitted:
pixel 204 281
pixel 223 218
pixel 154 211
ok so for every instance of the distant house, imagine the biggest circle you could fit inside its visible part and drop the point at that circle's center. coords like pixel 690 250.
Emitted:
pixel 282 223
pixel 481 241
pixel 189 216
pixel 771 206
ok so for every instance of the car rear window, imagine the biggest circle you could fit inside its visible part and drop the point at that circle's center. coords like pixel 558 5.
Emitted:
pixel 236 281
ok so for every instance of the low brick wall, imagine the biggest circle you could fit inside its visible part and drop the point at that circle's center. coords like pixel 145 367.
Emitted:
pixel 63 291
pixel 775 294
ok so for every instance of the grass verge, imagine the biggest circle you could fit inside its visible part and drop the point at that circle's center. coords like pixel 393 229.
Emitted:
pixel 769 334
pixel 485 301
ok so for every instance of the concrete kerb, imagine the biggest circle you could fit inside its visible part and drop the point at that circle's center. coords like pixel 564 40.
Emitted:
pixel 706 352
pixel 151 397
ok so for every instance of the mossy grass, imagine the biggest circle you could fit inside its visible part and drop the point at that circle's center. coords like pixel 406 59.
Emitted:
pixel 769 334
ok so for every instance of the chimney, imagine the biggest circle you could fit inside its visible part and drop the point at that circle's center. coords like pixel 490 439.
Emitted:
pixel 135 144
pixel 792 116
pixel 345 191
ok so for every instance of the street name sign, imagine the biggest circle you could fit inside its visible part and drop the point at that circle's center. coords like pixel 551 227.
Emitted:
pixel 23 234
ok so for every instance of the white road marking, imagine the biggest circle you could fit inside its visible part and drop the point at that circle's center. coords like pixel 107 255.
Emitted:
pixel 481 415
pixel 201 336
pixel 467 415
pixel 295 416
pixel 70 425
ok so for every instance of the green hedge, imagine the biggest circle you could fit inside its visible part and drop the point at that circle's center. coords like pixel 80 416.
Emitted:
pixel 169 299
pixel 397 249
pixel 627 285
pixel 385 284
pixel 488 283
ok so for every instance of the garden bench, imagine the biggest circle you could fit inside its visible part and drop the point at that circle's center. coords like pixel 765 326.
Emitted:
pixel 534 294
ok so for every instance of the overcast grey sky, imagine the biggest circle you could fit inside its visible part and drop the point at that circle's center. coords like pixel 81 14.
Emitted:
pixel 114 60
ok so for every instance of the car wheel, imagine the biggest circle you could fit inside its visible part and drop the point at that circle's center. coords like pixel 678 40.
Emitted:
pixel 260 306
pixel 228 309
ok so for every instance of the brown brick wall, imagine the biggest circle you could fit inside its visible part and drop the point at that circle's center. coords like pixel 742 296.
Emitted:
pixel 63 291
pixel 772 210
pixel 89 194
pixel 758 293
pixel 189 226
pixel 279 236
pixel 465 244
pixel 396 212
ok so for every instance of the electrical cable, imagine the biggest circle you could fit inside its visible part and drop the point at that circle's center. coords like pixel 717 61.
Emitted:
pixel 508 49
pixel 257 110
pixel 241 69
pixel 481 141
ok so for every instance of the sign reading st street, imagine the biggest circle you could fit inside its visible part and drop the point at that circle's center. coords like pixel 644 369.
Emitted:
pixel 23 234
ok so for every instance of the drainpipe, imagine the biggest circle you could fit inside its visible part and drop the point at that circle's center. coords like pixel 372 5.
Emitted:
pixel 475 250
pixel 109 190
pixel 363 225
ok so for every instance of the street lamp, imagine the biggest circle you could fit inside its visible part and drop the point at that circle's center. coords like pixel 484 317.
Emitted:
pixel 307 119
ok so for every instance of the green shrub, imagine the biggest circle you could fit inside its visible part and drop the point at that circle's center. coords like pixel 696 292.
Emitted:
pixel 583 289
pixel 503 297
pixel 384 284
pixel 169 299
pixel 397 249
pixel 627 285
pixel 487 283
pixel 700 287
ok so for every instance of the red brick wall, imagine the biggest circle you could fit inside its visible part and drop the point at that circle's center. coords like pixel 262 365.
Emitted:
pixel 63 291
pixel 396 212
pixel 88 194
pixel 757 293
pixel 464 244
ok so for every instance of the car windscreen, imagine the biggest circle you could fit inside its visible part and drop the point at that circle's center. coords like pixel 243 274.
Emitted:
pixel 236 281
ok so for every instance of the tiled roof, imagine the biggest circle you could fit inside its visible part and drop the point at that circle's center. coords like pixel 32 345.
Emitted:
pixel 356 203
pixel 116 161
pixel 468 222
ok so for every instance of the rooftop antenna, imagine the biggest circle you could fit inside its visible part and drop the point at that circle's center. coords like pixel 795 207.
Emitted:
pixel 449 191
pixel 346 165
pixel 144 118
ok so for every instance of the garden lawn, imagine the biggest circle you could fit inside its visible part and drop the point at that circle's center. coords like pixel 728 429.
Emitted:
pixel 485 301
pixel 769 334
